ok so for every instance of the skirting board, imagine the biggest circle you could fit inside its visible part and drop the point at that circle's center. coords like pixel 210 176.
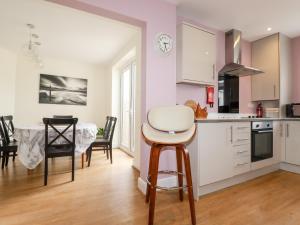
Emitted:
pixel 164 182
pixel 290 167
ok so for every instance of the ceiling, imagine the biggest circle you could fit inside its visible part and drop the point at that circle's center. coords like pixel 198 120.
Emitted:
pixel 252 17
pixel 64 32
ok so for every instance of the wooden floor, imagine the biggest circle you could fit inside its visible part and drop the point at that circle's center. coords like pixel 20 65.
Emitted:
pixel 107 194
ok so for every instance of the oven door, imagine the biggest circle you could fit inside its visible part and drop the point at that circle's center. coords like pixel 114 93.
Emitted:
pixel 261 145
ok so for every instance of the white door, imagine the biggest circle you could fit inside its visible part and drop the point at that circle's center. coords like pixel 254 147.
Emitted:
pixel 127 108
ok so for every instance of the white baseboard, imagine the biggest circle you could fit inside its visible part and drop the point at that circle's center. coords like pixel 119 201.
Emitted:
pixel 290 167
pixel 164 182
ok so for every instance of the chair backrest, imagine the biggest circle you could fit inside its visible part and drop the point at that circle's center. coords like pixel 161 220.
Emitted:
pixel 106 127
pixel 8 127
pixel 112 122
pixel 65 125
pixel 63 116
pixel 3 140
pixel 177 118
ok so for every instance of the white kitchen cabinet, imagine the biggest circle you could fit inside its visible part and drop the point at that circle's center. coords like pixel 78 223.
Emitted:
pixel 224 151
pixel 292 142
pixel 196 55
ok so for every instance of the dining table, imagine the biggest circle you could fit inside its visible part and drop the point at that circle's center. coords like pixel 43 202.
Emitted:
pixel 31 141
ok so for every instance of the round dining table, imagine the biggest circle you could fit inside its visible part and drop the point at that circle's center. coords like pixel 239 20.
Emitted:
pixel 31 141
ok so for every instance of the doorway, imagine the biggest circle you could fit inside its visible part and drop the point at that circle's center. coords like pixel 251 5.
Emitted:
pixel 127 109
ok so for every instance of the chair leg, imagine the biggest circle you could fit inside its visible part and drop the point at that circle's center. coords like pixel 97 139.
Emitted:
pixel 106 150
pixel 14 156
pixel 46 172
pixel 149 174
pixel 189 184
pixel 3 160
pixel 6 161
pixel 110 151
pixel 154 173
pixel 90 156
pixel 73 166
pixel 179 170
pixel 82 160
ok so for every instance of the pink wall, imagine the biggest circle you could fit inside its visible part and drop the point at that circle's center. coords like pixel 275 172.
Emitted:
pixel 159 72
pixel 296 69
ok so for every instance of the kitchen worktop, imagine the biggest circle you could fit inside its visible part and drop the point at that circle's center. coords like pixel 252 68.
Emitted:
pixel 219 120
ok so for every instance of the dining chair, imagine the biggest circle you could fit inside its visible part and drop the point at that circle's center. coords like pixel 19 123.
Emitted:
pixel 55 147
pixel 7 148
pixel 105 142
pixel 104 149
pixel 9 130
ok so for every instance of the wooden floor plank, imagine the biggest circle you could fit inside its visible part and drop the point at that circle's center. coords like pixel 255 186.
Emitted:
pixel 107 194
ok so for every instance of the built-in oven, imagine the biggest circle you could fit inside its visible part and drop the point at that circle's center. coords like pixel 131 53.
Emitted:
pixel 261 140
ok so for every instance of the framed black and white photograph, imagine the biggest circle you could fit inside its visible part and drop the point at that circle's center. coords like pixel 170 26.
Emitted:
pixel 62 90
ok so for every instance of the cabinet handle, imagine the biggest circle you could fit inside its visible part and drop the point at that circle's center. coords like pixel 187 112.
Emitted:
pixel 242 139
pixel 281 130
pixel 274 87
pixel 231 134
pixel 241 152
pixel 241 164
pixel 242 128
pixel 287 130
pixel 213 71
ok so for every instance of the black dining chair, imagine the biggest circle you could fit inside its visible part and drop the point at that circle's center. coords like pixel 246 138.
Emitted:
pixel 7 148
pixel 9 130
pixel 53 149
pixel 105 142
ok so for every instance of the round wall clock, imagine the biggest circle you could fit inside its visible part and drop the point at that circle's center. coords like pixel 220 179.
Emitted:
pixel 164 43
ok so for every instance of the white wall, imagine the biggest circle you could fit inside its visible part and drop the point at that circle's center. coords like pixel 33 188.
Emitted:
pixel 7 81
pixel 27 107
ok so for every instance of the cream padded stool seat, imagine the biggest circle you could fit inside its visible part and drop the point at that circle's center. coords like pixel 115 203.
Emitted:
pixel 169 127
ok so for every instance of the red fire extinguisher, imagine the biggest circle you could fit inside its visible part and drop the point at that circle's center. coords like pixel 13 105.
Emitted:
pixel 210 96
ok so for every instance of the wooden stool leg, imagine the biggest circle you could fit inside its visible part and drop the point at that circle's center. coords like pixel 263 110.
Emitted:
pixel 153 173
pixel 149 172
pixel 189 184
pixel 179 170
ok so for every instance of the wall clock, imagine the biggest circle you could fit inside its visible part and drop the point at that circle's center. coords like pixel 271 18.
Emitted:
pixel 164 43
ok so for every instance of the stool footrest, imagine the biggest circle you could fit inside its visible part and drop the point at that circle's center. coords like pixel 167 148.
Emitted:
pixel 168 172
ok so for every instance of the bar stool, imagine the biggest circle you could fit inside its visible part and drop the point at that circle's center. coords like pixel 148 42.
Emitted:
pixel 169 127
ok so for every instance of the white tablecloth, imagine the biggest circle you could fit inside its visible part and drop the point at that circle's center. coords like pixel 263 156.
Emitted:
pixel 31 141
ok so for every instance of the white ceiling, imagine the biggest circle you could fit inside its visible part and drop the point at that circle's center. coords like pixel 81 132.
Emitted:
pixel 64 32
pixel 252 17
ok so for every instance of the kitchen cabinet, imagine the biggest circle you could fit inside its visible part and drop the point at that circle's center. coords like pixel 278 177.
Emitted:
pixel 196 55
pixel 224 150
pixel 292 142
pixel 265 56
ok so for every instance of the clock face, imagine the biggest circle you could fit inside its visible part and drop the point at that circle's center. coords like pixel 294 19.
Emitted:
pixel 164 43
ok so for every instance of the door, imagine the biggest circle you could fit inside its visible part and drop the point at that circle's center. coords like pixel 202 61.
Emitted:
pixel 292 154
pixel 127 108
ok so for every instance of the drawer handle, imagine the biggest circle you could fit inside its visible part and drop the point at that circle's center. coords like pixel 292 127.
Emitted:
pixel 241 164
pixel 242 139
pixel 242 128
pixel 240 152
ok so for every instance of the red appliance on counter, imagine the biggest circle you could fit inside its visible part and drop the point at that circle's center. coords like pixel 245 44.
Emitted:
pixel 259 111
pixel 210 96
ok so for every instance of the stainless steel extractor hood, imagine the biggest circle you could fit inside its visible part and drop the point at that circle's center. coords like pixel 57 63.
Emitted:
pixel 233 56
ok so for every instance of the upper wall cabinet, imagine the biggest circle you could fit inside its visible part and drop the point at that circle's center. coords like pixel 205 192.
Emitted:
pixel 196 55
pixel 273 56
pixel 265 56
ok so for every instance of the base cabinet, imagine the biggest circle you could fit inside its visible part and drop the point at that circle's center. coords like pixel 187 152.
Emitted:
pixel 292 142
pixel 224 151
